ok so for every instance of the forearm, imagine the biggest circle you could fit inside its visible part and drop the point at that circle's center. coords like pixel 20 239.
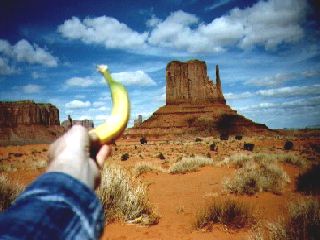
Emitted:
pixel 55 206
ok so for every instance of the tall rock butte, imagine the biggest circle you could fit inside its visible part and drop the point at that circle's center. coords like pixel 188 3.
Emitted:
pixel 24 122
pixel 195 106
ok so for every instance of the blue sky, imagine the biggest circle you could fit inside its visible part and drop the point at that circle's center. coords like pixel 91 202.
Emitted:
pixel 268 53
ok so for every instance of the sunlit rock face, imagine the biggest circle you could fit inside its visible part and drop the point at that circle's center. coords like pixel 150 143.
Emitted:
pixel 195 106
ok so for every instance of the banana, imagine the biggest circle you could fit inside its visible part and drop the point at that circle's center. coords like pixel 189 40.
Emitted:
pixel 117 122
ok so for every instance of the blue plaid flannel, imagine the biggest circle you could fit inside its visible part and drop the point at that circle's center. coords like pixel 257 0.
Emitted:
pixel 55 206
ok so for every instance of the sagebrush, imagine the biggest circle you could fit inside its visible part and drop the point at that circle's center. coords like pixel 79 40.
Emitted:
pixel 231 213
pixel 124 197
pixel 8 192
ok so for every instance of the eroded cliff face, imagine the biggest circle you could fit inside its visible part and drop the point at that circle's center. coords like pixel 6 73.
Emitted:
pixel 188 82
pixel 28 122
pixel 16 113
pixel 195 106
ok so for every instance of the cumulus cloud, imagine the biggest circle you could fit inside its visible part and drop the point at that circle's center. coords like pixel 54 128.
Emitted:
pixel 5 69
pixel 74 104
pixel 290 91
pixel 234 96
pixel 138 78
pixel 266 23
pixel 31 88
pixel 80 82
pixel 103 30
pixel 273 80
pixel 23 51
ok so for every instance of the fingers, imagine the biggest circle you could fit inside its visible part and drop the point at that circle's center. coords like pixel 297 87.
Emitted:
pixel 104 152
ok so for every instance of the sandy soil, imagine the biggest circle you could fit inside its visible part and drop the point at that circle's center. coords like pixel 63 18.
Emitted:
pixel 178 198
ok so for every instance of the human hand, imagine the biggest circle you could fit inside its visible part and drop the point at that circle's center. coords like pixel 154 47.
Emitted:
pixel 70 154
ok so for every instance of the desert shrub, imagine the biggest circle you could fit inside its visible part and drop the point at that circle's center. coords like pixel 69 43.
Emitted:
pixel 288 145
pixel 213 147
pixel 143 140
pixel 143 167
pixel 291 159
pixel 198 140
pixel 161 156
pixel 124 197
pixel 248 146
pixel 256 177
pixel 231 213
pixel 238 137
pixel 125 157
pixel 309 181
pixel 224 136
pixel 302 223
pixel 190 164
pixel 8 192
pixel 315 147
pixel 237 160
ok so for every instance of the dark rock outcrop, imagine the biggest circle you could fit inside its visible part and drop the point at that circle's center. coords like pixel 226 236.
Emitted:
pixel 194 106
pixel 88 124
pixel 23 122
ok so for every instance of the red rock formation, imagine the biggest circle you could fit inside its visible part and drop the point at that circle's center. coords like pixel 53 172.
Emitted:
pixel 187 82
pixel 194 106
pixel 28 122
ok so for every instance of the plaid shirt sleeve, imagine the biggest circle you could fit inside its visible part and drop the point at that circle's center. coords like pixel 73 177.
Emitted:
pixel 55 206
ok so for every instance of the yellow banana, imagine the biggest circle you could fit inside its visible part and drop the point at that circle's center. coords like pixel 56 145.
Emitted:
pixel 117 122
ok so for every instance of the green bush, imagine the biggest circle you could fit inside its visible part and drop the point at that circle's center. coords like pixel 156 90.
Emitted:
pixel 213 147
pixel 125 157
pixel 161 156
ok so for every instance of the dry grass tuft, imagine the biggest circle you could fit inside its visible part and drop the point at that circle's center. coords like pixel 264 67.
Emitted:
pixel 190 164
pixel 302 223
pixel 257 177
pixel 124 197
pixel 231 213
pixel 309 181
pixel 144 167
pixel 8 192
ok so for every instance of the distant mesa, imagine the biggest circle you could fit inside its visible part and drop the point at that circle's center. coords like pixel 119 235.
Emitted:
pixel 195 105
pixel 26 122
pixel 67 124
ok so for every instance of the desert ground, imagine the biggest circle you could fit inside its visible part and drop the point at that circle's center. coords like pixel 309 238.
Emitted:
pixel 179 198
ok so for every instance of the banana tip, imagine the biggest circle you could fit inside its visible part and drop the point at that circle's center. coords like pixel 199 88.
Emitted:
pixel 102 68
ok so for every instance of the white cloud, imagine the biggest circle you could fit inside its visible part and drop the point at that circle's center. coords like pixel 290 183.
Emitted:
pixel 31 88
pixel 138 78
pixel 5 69
pixel 80 82
pixel 274 80
pixel 290 91
pixel 103 30
pixel 98 103
pixel 234 96
pixel 23 51
pixel 74 104
pixel 267 23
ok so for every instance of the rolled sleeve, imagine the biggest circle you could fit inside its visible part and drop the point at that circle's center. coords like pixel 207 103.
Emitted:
pixel 55 206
